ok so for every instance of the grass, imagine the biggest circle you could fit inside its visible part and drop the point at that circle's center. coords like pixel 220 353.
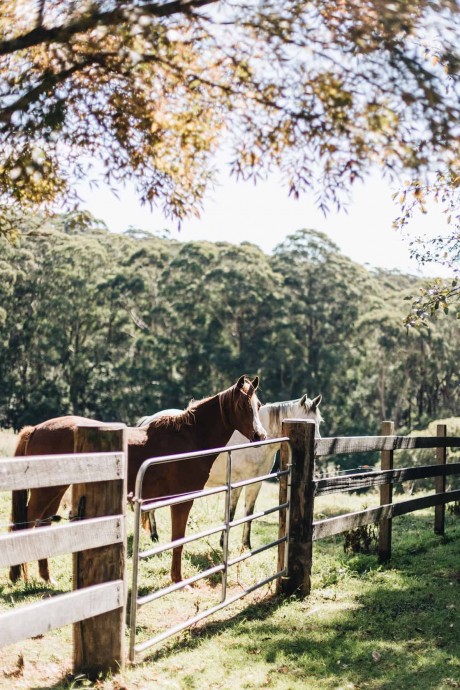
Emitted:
pixel 364 626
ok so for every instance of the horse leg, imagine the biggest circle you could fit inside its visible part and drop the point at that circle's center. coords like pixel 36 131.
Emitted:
pixel 234 497
pixel 153 526
pixel 149 523
pixel 19 522
pixel 250 496
pixel 43 504
pixel 179 517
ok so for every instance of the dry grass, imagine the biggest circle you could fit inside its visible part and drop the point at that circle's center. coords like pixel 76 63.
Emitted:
pixel 7 443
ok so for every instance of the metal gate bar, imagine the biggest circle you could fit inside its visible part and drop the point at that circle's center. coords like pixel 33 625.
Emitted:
pixel 192 621
pixel 207 533
pixel 165 501
pixel 147 598
pixel 140 506
pixel 153 504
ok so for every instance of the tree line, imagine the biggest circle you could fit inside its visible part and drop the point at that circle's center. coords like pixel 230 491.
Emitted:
pixel 116 326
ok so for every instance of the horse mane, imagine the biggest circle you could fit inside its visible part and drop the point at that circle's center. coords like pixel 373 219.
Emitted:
pixel 279 410
pixel 179 420
pixel 176 421
pixel 187 417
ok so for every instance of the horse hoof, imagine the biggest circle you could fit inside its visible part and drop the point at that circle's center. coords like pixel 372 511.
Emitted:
pixel 48 580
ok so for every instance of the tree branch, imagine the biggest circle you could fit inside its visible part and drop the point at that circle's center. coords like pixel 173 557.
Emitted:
pixel 49 81
pixel 41 12
pixel 62 34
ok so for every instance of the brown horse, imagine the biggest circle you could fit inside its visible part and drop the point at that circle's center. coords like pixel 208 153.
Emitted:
pixel 204 425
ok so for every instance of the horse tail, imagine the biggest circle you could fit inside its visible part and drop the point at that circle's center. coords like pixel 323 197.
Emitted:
pixel 19 504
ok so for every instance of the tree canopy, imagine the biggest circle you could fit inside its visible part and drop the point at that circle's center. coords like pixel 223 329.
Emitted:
pixel 150 90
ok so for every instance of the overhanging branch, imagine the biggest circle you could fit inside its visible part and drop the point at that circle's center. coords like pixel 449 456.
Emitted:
pixel 62 34
pixel 48 82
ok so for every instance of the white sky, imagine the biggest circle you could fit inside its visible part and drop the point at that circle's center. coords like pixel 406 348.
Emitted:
pixel 265 215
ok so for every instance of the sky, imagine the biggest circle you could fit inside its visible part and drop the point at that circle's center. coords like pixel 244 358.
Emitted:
pixel 265 215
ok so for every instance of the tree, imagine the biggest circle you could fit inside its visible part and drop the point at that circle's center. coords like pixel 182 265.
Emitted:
pixel 314 347
pixel 66 333
pixel 151 89
pixel 115 327
pixel 437 295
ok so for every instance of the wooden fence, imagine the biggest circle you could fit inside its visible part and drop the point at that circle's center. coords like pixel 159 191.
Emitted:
pixel 97 471
pixel 304 530
pixel 96 606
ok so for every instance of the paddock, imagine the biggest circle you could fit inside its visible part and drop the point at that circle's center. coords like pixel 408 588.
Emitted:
pixel 299 555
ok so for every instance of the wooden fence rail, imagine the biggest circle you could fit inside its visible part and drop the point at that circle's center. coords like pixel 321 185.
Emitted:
pixel 97 605
pixel 304 530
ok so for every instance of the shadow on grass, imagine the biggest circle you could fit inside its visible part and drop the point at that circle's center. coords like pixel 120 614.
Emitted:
pixel 22 592
pixel 390 640
pixel 401 631
pixel 399 628
pixel 253 612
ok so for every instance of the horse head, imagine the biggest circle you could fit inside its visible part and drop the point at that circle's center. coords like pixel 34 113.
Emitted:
pixel 240 408
pixel 309 410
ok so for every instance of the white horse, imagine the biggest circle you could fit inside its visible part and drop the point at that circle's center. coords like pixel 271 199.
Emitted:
pixel 250 462
pixel 255 462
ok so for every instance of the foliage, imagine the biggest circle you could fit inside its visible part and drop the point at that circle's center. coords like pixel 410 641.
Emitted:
pixel 426 456
pixel 437 295
pixel 361 540
pixel 149 90
pixel 119 326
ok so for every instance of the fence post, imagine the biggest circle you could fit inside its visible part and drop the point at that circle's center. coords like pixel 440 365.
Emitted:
pixel 386 495
pixel 440 483
pixel 301 435
pixel 99 642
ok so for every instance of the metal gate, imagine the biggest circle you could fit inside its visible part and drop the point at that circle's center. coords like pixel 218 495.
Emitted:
pixel 141 505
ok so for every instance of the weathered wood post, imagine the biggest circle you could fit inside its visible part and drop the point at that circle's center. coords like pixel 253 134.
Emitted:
pixel 301 433
pixel 386 496
pixel 440 483
pixel 99 642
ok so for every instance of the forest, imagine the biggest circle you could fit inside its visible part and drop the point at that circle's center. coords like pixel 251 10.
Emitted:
pixel 116 326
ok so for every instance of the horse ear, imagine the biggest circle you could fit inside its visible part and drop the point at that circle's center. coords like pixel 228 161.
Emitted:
pixel 255 383
pixel 240 382
pixel 315 402
pixel 302 400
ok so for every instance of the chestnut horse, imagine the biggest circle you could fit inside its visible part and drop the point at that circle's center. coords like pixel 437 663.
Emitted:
pixel 204 425
pixel 251 462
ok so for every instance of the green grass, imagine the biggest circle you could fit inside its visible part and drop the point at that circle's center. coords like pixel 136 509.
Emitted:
pixel 365 626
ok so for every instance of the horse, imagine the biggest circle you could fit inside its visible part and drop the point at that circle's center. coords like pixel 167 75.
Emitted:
pixel 148 518
pixel 251 462
pixel 203 425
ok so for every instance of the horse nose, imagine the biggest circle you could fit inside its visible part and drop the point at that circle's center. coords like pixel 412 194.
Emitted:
pixel 259 437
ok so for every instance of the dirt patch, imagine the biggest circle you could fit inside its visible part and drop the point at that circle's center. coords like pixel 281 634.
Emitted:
pixel 38 663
